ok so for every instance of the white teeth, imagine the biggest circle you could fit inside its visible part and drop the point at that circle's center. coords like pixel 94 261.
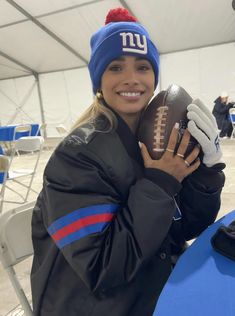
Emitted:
pixel 130 94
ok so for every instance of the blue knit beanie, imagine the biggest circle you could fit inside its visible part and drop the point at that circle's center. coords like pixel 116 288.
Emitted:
pixel 121 35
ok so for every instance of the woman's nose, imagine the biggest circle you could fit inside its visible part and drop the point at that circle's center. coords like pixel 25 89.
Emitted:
pixel 130 77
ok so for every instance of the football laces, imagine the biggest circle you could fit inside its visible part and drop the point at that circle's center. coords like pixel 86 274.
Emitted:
pixel 159 128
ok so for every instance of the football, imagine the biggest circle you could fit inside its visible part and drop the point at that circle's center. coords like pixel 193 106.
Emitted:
pixel 157 121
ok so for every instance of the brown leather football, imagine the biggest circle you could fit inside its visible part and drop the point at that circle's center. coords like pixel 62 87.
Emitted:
pixel 157 121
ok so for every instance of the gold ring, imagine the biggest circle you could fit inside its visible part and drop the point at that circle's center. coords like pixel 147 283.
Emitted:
pixel 170 150
pixel 180 155
pixel 187 163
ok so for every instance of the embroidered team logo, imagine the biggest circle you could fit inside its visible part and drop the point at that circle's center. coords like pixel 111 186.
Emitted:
pixel 134 43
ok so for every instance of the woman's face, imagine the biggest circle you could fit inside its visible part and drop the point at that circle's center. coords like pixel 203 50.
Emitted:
pixel 224 99
pixel 127 85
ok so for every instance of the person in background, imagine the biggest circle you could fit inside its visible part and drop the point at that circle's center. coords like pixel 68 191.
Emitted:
pixel 221 113
pixel 109 219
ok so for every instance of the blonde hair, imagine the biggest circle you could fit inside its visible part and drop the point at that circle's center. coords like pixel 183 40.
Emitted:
pixel 95 110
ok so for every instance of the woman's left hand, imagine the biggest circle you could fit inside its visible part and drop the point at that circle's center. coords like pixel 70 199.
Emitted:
pixel 177 164
pixel 202 126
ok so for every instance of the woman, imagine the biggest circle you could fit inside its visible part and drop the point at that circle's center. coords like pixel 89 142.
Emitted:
pixel 221 113
pixel 108 221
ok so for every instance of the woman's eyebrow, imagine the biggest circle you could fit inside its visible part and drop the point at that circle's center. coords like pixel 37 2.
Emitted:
pixel 141 58
pixel 122 58
pixel 118 59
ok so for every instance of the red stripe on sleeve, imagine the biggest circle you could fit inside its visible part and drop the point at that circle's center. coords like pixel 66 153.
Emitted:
pixel 81 223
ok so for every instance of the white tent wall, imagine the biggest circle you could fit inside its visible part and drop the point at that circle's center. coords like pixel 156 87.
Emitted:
pixel 203 72
pixel 65 95
pixel 19 101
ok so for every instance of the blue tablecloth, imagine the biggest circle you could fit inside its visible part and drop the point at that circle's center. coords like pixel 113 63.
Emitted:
pixel 7 132
pixel 202 282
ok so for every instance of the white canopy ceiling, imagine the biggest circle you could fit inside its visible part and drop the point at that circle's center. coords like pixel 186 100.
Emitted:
pixel 51 35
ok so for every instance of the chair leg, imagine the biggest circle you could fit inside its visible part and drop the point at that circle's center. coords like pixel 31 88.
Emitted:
pixel 29 187
pixel 16 192
pixel 23 197
pixel 19 291
pixel 24 185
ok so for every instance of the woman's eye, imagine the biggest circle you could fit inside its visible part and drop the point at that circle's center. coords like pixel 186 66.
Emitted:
pixel 115 68
pixel 144 67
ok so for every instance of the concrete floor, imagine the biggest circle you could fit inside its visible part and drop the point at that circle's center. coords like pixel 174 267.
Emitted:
pixel 9 305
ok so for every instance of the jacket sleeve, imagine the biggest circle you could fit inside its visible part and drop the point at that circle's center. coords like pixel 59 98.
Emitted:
pixel 200 199
pixel 104 238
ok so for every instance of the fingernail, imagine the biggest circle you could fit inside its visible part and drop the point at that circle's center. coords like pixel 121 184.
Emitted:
pixel 140 144
pixel 177 125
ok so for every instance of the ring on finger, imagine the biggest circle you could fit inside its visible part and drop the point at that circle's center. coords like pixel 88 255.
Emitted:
pixel 170 150
pixel 180 155
pixel 187 163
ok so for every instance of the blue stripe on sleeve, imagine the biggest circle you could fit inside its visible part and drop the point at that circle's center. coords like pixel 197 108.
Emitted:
pixel 80 213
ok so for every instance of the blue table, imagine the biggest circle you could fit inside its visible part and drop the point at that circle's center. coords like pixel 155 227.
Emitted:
pixel 202 282
pixel 7 132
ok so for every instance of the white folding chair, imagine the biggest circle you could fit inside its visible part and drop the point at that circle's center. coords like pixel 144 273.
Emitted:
pixel 16 246
pixel 29 144
pixel 24 128
pixel 20 131
pixel 232 118
pixel 62 130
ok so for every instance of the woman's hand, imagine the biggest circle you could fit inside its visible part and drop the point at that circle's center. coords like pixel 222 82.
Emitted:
pixel 177 164
pixel 203 128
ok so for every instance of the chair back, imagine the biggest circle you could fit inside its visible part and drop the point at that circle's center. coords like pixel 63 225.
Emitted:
pixel 22 129
pixel 62 130
pixel 15 246
pixel 29 143
pixel 15 235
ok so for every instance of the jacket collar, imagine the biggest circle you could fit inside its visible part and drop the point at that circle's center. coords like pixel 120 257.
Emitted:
pixel 128 139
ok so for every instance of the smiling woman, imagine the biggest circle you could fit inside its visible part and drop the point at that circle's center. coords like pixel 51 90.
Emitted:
pixel 105 230
pixel 127 86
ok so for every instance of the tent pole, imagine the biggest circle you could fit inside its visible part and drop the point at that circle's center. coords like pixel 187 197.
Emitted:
pixel 41 103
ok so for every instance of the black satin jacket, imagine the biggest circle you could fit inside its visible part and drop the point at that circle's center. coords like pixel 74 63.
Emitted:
pixel 103 228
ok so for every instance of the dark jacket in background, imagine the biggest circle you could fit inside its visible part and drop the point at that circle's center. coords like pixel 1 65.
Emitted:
pixel 103 228
pixel 221 114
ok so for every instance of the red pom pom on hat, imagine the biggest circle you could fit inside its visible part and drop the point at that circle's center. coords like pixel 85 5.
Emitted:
pixel 119 15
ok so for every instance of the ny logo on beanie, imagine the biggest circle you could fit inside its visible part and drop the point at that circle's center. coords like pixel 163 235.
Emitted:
pixel 135 43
